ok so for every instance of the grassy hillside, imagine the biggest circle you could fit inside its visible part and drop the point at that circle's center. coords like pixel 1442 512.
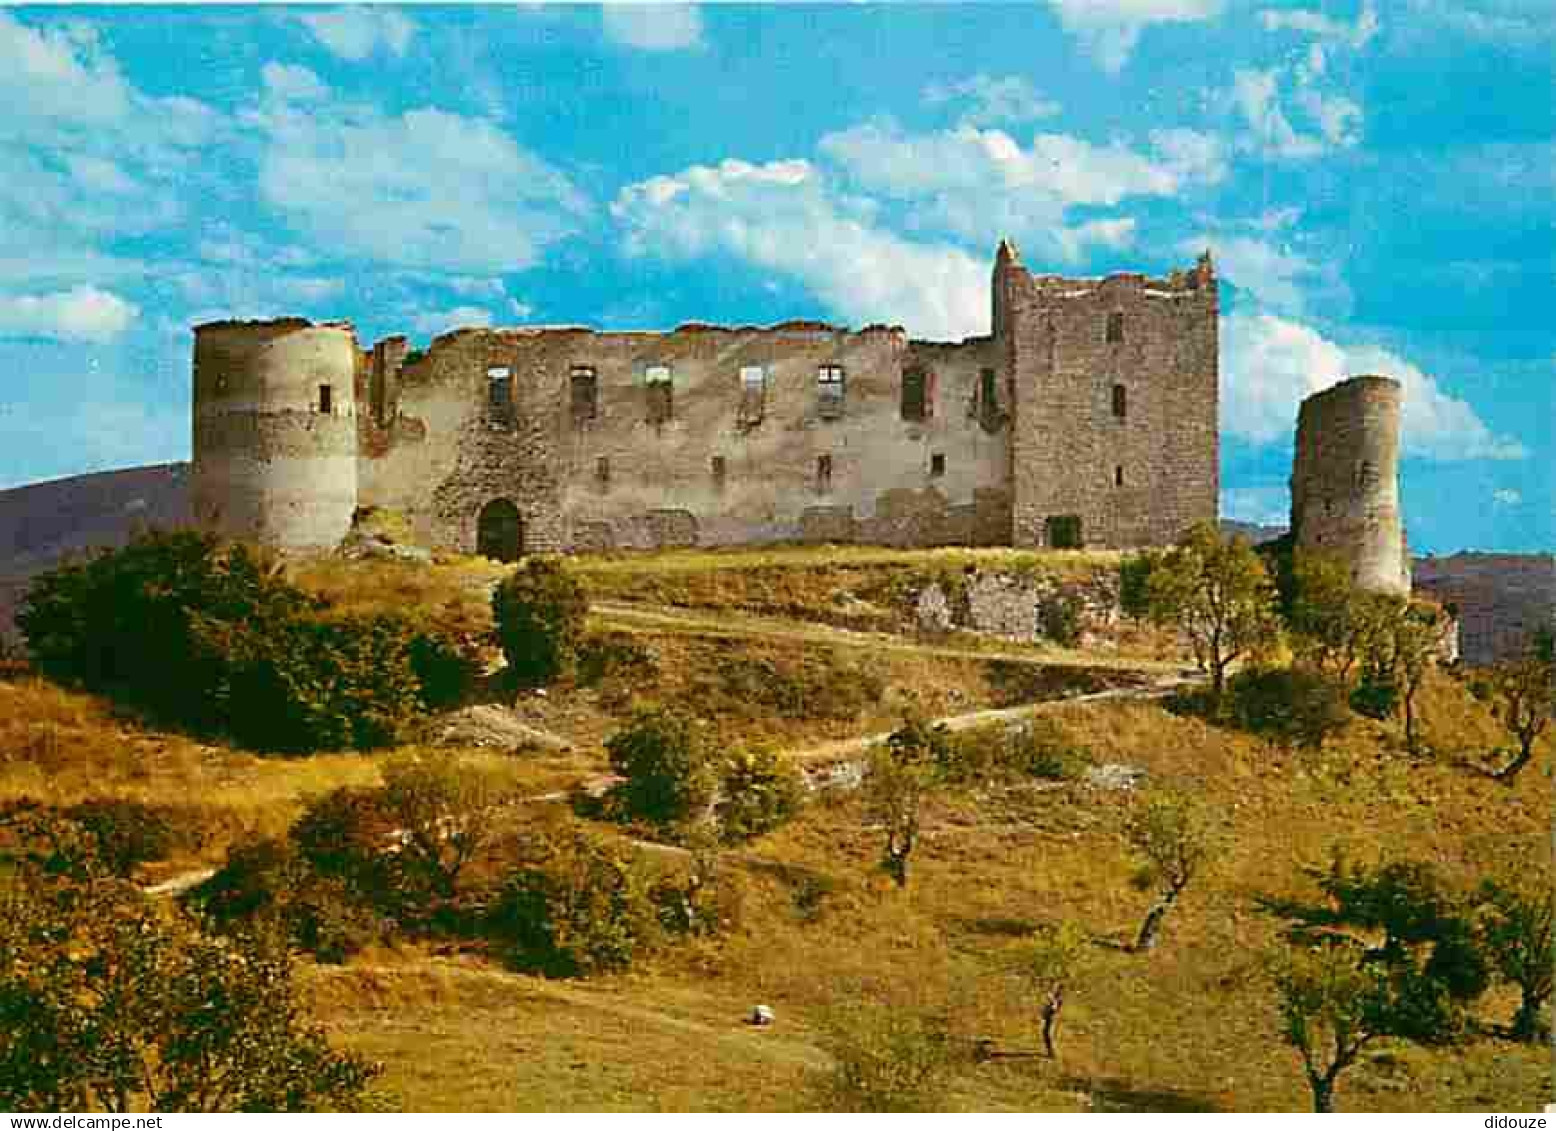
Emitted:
pixel 1192 1026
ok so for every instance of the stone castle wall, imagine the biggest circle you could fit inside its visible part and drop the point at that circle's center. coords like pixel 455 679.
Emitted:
pixel 1014 428
pixel 1345 481
pixel 1115 387
pixel 1501 599
pixel 275 454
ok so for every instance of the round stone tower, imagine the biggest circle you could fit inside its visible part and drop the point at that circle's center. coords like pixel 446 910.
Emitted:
pixel 1345 481
pixel 275 431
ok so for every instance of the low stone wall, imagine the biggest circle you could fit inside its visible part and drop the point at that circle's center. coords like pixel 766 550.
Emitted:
pixel 1021 606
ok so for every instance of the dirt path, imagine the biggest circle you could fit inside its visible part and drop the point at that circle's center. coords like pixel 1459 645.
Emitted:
pixel 771 1044
pixel 731 626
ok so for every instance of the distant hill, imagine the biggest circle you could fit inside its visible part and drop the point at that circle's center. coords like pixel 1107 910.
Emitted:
pixel 1253 531
pixel 1501 598
pixel 43 522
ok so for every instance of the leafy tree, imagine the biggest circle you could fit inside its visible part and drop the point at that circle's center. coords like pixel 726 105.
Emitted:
pixel 1134 583
pixel 1332 1006
pixel 1170 834
pixel 105 1004
pixel 1523 693
pixel 760 790
pixel 444 810
pixel 1330 622
pixel 1414 641
pixel 540 610
pixel 898 776
pixel 1216 591
pixel 886 1058
pixel 1516 930
pixel 1051 966
pixel 667 767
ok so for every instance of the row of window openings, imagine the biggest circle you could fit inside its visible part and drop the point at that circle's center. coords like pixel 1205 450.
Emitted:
pixel 719 467
pixel 917 392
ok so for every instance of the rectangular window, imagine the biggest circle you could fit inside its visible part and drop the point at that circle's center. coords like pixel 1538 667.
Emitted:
pixel 988 392
pixel 1118 475
pixel 1120 402
pixel 499 392
pixel 326 399
pixel 1116 326
pixel 720 471
pixel 602 471
pixel 661 405
pixel 937 465
pixel 753 393
pixel 829 391
pixel 585 394
pixel 823 473
pixel 915 394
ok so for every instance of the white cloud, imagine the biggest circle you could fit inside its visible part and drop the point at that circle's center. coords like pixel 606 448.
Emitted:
pixel 1270 364
pixel 433 323
pixel 1112 234
pixel 653 27
pixel 426 189
pixel 1272 275
pixel 1356 35
pixel 1507 497
pixel 988 100
pixel 1266 506
pixel 1110 29
pixel 294 84
pixel 784 218
pixel 81 314
pixel 355 32
pixel 1334 121
pixel 59 75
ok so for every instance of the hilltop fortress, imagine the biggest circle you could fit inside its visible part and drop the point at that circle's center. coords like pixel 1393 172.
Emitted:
pixel 1087 417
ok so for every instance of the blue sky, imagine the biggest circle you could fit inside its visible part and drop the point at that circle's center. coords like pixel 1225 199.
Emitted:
pixel 1377 179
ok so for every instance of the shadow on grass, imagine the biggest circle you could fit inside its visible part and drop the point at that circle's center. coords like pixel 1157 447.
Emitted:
pixel 1115 1095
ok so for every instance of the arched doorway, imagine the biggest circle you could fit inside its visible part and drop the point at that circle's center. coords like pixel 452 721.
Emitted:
pixel 500 531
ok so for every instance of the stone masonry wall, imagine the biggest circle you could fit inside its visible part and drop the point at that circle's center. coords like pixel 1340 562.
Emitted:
pixel 1345 481
pixel 1135 477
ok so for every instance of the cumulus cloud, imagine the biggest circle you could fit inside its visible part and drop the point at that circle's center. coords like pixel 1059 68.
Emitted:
pixel 424 189
pixel 1334 121
pixel 1270 364
pixel 81 314
pixel 653 27
pixel 356 32
pixel 294 84
pixel 58 74
pixel 1506 497
pixel 434 322
pixel 1356 35
pixel 1274 276
pixel 1110 29
pixel 782 217
pixel 986 100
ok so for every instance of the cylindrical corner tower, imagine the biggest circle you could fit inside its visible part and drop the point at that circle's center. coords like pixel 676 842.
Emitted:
pixel 1345 481
pixel 275 431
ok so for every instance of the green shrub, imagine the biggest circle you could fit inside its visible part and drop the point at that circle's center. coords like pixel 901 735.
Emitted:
pixel 1376 694
pixel 589 908
pixel 101 836
pixel 346 835
pixel 760 790
pixel 668 769
pixel 1134 584
pixel 1059 618
pixel 445 669
pixel 601 656
pixel 540 612
pixel 886 1058
pixel 1037 749
pixel 127 833
pixel 1292 705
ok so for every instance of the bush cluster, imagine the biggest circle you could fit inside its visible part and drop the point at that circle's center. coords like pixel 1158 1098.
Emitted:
pixel 213 638
pixel 1296 706
pixel 1038 749
pixel 540 610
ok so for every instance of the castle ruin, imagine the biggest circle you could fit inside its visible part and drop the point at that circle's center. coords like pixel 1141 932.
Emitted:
pixel 1087 417
pixel 1345 481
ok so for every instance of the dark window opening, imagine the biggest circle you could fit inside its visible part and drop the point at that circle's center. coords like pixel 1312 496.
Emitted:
pixel 937 465
pixel 326 399
pixel 585 394
pixel 720 471
pixel 499 393
pixel 988 399
pixel 823 473
pixel 915 394
pixel 1118 476
pixel 1064 531
pixel 829 391
pixel 1116 326
pixel 661 403
pixel 753 394
pixel 602 471
pixel 500 531
pixel 1120 402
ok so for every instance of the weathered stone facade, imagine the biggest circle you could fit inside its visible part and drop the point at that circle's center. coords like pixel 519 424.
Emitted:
pixel 1345 481
pixel 1501 599
pixel 1093 402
